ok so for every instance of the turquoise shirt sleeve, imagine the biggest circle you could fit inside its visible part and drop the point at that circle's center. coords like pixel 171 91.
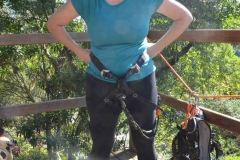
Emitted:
pixel 80 7
pixel 157 3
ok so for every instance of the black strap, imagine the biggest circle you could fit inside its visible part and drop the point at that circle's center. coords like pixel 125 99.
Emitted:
pixel 217 147
pixel 106 73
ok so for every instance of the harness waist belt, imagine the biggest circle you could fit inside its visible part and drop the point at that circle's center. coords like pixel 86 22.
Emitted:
pixel 106 73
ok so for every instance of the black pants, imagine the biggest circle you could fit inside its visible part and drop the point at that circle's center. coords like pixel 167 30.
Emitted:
pixel 104 116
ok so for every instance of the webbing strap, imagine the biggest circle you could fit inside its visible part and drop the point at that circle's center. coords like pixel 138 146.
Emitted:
pixel 106 73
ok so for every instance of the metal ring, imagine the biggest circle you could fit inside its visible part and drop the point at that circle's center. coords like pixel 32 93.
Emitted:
pixel 106 100
pixel 134 95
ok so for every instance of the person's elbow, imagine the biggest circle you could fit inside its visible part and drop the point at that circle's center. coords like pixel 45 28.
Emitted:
pixel 188 18
pixel 51 25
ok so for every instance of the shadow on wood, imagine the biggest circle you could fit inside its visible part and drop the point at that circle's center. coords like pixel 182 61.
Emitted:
pixel 123 155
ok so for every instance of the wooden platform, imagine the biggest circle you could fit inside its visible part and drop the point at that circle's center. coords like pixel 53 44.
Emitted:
pixel 123 155
pixel 128 155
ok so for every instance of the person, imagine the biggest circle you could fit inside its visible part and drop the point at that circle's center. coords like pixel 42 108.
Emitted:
pixel 118 31
pixel 5 146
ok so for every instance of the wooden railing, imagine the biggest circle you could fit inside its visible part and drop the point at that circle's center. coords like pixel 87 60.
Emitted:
pixel 199 35
pixel 218 119
pixel 218 36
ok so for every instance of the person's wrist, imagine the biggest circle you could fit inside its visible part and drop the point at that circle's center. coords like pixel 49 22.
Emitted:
pixel 153 51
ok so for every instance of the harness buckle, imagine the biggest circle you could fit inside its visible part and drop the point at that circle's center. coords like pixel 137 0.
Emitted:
pixel 135 69
pixel 105 73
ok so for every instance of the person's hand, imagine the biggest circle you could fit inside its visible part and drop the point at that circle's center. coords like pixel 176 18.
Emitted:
pixel 84 54
pixel 87 54
pixel 152 52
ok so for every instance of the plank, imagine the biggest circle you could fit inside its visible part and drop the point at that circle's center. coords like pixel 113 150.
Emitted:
pixel 198 35
pixel 204 35
pixel 47 106
pixel 38 38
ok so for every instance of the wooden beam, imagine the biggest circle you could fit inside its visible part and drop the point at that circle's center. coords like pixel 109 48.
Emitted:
pixel 47 106
pixel 198 35
pixel 204 35
pixel 27 39
pixel 229 123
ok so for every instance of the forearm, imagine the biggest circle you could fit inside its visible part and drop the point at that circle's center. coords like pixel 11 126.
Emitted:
pixel 60 33
pixel 182 19
pixel 177 28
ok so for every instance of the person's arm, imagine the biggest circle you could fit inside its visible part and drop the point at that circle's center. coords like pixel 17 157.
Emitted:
pixel 182 18
pixel 56 24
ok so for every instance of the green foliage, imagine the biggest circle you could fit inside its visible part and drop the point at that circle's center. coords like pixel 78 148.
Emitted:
pixel 207 69
pixel 27 152
pixel 30 154
pixel 214 14
pixel 232 158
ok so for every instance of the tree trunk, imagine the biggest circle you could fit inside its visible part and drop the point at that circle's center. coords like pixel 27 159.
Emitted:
pixel 48 138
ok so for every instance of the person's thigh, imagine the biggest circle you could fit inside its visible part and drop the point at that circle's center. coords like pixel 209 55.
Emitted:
pixel 144 115
pixel 103 117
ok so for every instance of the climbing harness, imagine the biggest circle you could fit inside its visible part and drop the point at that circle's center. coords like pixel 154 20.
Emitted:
pixel 123 92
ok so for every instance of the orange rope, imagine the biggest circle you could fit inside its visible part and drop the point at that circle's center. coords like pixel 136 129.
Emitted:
pixel 180 78
pixel 189 89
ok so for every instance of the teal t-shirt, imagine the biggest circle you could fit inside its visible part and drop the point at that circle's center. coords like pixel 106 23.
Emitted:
pixel 118 34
